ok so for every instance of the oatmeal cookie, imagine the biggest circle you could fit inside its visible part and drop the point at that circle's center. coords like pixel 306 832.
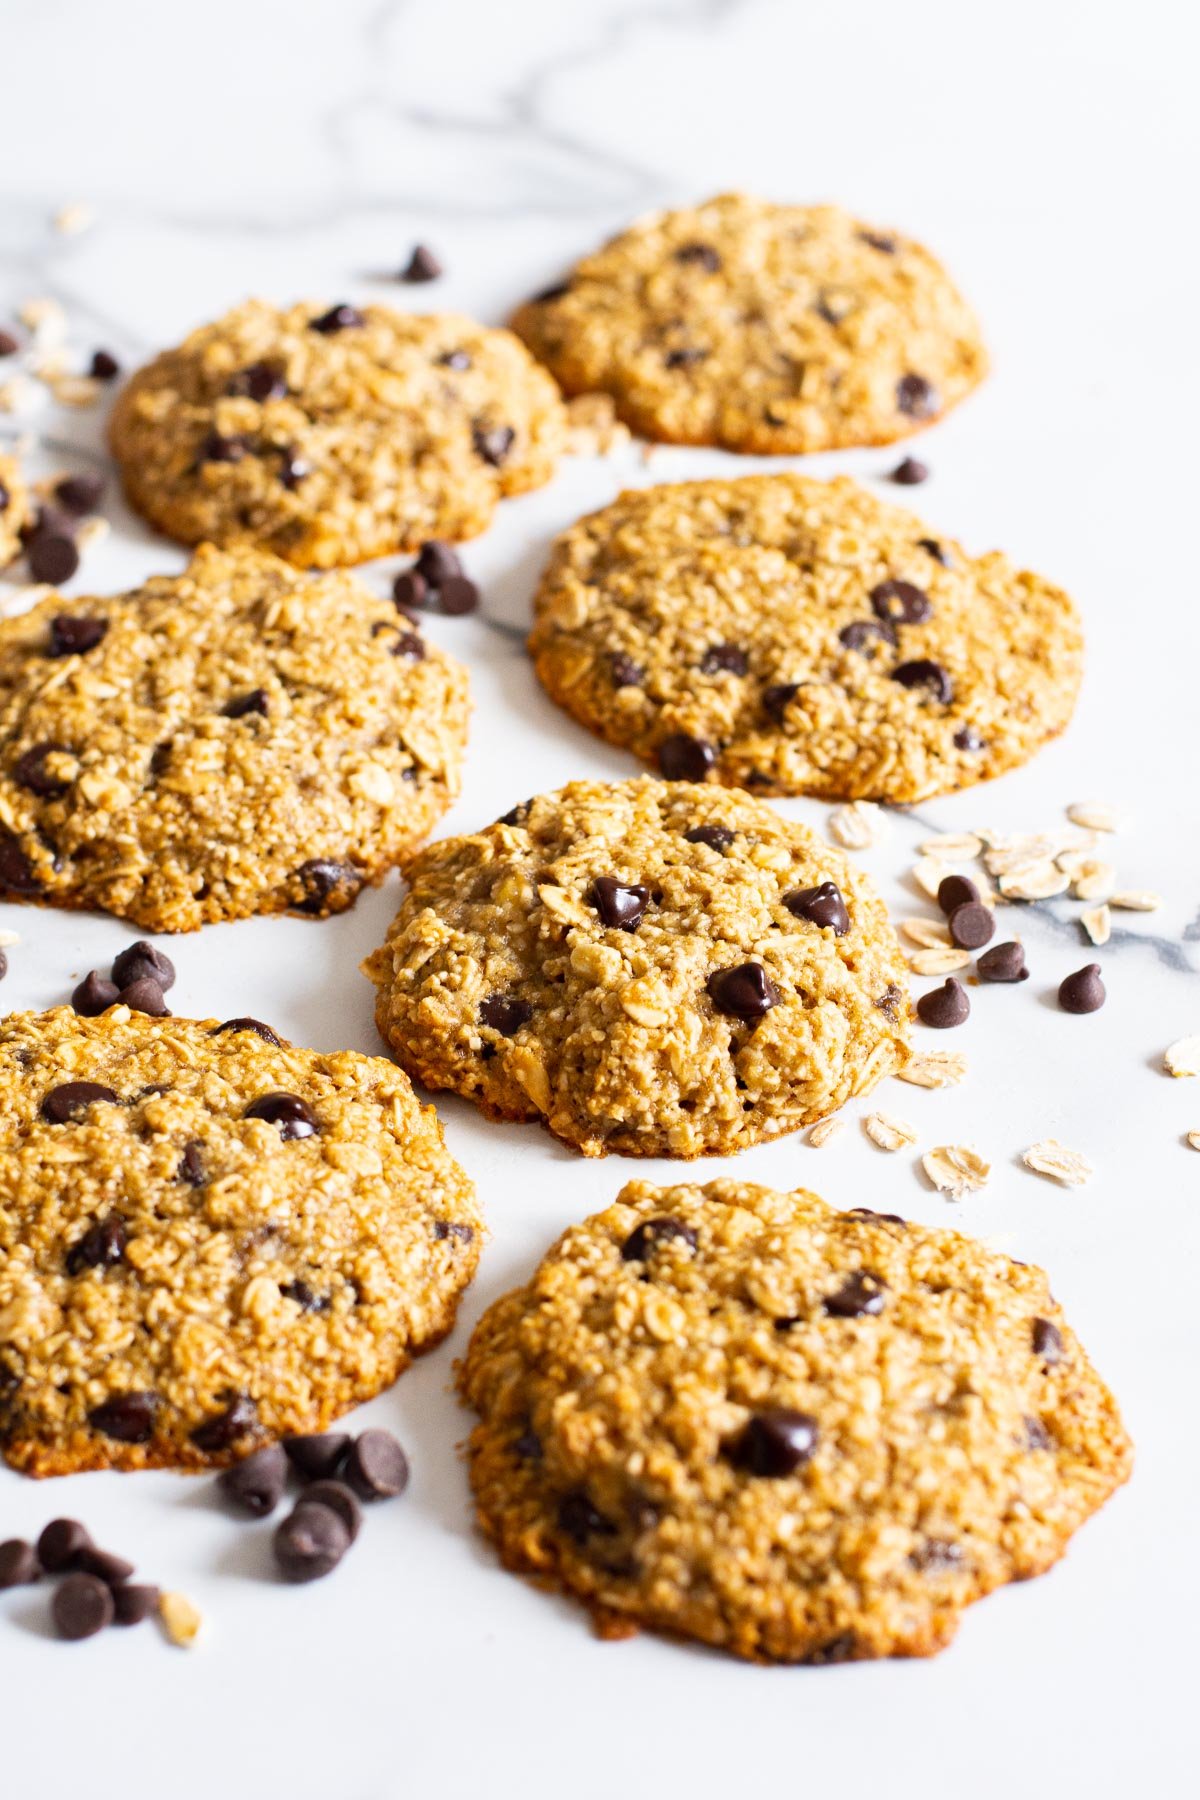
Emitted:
pixel 801 637
pixel 209 1238
pixel 333 435
pixel 762 328
pixel 238 739
pixel 797 1434
pixel 655 968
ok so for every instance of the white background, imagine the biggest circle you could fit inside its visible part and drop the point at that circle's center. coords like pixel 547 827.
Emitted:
pixel 1044 150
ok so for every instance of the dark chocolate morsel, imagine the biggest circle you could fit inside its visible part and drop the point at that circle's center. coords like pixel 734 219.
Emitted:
pixel 256 1484
pixel 1003 962
pixel 294 1117
pixel 223 1430
pixel 822 905
pixel 68 1100
pixel 774 1441
pixel 376 1466
pixel 619 904
pixel 82 1606
pixel 684 758
pixel 1082 992
pixel 647 1236
pixel 310 1542
pixel 944 1007
pixel 317 1456
pixel 127 1417
pixel 745 992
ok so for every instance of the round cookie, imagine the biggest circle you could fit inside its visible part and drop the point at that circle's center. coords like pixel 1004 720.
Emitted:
pixel 209 1238
pixel 237 739
pixel 761 327
pixel 801 1435
pixel 14 510
pixel 333 435
pixel 801 637
pixel 654 968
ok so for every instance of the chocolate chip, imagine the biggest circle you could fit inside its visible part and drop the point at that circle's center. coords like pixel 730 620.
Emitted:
pixel 410 646
pixel 31 772
pixel 493 443
pixel 728 659
pixel 505 1014
pixel 191 1165
pixel 310 1542
pixel 376 1467
pixel 60 1544
pixel 16 871
pixel 1047 1341
pixel 449 1228
pixel 717 837
pixel 778 697
pixel 294 1117
pixel 327 886
pixel 684 758
pixel 1003 962
pixel 822 905
pixel 305 1298
pixel 580 1520
pixel 684 359
pixel 128 1417
pixel 104 1565
pixel 1082 992
pixel 100 1246
pixel 317 1456
pixel 71 1098
pixel 141 962
pixel 774 1441
pixel 529 1446
pixel 916 397
pixel 104 366
pixel 339 1498
pixel 437 562
pixel 52 557
pixel 620 904
pixel 879 240
pixel 889 1001
pixel 861 1295
pixel 1036 1435
pixel 145 996
pixel 925 674
pixel 647 1236
pixel 554 292
pixel 945 1006
pixel 80 494
pixel 293 468
pixel 216 447
pixel 410 590
pixel 702 255
pixel 18 1563
pixel 422 265
pixel 455 359
pixel 253 702
pixel 516 815
pixel 261 381
pixel 8 344
pixel 458 595
pixel 973 925
pixel 745 992
pixel 71 635
pixel 342 317
pixel 254 1025
pixel 909 473
pixel 223 1430
pixel 901 603
pixel 955 891
pixel 82 1606
pixel 133 1602
pixel 255 1485
pixel 968 739
pixel 625 672
pixel 862 632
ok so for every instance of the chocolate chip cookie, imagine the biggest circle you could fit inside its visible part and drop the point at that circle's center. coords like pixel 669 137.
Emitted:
pixel 209 1238
pixel 761 327
pixel 655 968
pixel 329 435
pixel 238 739
pixel 801 1435
pixel 801 637
pixel 14 509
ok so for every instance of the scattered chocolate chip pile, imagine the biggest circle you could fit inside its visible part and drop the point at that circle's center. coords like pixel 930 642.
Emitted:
pixel 140 976
pixel 338 1473
pixel 436 583
pixel 95 1589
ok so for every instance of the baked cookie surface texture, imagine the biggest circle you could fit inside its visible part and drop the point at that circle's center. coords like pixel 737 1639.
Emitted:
pixel 737 1415
pixel 801 637
pixel 238 739
pixel 656 968
pixel 14 509
pixel 333 435
pixel 761 328
pixel 209 1238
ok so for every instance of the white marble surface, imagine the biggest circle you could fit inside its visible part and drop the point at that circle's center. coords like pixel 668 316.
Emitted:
pixel 299 150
